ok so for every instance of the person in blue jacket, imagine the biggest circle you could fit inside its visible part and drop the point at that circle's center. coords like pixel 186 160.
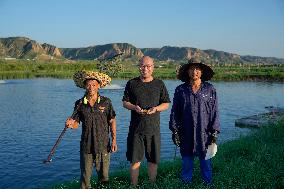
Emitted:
pixel 194 118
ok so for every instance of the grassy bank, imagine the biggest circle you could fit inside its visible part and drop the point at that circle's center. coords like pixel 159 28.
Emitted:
pixel 254 161
pixel 20 69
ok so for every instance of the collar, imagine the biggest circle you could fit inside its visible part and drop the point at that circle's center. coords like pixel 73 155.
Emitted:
pixel 199 90
pixel 85 100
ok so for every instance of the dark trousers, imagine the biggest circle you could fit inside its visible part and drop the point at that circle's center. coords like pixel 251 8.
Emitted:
pixel 187 169
pixel 87 161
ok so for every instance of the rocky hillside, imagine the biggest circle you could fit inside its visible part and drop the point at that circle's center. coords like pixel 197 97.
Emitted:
pixel 102 51
pixel 25 48
pixel 168 53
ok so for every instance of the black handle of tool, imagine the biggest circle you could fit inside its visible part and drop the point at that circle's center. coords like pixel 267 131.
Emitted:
pixel 48 160
pixel 55 145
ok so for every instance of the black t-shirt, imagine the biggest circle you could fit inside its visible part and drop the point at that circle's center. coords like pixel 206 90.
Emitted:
pixel 95 124
pixel 146 95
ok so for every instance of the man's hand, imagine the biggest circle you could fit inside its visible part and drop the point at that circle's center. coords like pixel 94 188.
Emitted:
pixel 213 137
pixel 71 123
pixel 113 146
pixel 138 110
pixel 152 110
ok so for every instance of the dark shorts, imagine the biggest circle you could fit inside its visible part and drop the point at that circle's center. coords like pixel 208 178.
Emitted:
pixel 137 144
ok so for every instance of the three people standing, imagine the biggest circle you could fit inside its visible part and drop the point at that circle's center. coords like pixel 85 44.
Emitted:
pixel 194 119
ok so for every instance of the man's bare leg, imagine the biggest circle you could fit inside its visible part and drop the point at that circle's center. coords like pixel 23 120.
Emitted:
pixel 134 173
pixel 152 171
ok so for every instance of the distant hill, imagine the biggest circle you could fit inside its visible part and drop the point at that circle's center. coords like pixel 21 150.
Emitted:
pixel 25 48
pixel 168 53
pixel 102 51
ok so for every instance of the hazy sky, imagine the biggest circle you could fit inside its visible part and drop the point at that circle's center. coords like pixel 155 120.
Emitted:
pixel 245 27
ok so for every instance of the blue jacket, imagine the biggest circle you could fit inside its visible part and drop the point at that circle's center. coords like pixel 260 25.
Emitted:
pixel 194 115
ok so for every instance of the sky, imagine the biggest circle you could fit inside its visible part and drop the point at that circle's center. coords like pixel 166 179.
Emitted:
pixel 244 27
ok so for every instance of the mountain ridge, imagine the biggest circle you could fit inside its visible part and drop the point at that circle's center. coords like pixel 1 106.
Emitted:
pixel 25 48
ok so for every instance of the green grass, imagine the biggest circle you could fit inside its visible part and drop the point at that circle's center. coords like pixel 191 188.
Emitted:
pixel 254 161
pixel 19 69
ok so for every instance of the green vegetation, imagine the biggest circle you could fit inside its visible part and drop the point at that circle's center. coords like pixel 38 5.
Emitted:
pixel 17 69
pixel 254 161
pixel 29 69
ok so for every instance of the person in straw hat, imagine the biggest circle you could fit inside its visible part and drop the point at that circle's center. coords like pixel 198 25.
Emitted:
pixel 194 118
pixel 98 117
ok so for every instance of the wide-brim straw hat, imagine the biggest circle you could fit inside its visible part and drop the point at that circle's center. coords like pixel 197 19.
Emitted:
pixel 207 72
pixel 81 76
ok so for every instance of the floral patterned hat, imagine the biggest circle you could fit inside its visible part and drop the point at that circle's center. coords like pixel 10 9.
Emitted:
pixel 81 76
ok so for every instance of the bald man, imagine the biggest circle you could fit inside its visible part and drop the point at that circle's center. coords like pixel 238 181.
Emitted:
pixel 146 97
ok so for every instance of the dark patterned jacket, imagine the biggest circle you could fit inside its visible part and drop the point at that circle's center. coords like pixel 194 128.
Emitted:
pixel 195 116
pixel 95 124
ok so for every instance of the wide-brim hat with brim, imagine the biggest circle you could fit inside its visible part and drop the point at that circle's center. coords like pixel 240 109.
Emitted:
pixel 81 76
pixel 207 72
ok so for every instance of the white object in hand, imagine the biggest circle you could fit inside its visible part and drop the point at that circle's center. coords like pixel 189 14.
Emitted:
pixel 211 151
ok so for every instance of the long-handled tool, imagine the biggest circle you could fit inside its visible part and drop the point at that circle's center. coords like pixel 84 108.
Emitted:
pixel 48 160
